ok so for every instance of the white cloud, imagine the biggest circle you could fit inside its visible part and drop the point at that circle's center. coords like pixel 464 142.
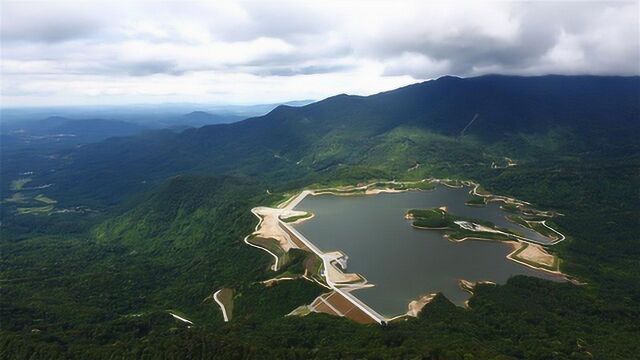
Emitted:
pixel 262 51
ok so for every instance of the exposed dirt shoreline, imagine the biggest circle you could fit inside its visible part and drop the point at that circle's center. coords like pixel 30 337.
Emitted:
pixel 272 224
pixel 532 256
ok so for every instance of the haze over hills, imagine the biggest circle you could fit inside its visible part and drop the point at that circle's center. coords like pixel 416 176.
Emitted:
pixel 37 127
pixel 152 115
pixel 477 120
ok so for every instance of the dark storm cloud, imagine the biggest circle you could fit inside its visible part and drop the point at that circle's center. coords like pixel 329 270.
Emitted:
pixel 288 20
pixel 101 47
pixel 43 22
pixel 541 28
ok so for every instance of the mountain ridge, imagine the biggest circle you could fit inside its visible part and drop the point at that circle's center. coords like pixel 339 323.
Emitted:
pixel 514 114
pixel 147 226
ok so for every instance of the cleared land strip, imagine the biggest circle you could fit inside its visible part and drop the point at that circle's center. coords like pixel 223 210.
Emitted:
pixel 228 293
pixel 181 318
pixel 336 304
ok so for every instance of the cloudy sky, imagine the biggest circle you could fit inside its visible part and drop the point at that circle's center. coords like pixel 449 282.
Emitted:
pixel 119 52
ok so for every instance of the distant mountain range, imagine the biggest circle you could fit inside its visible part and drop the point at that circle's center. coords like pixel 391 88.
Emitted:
pixel 154 115
pixel 82 125
pixel 487 116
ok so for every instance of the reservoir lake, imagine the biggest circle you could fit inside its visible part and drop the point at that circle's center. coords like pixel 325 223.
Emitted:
pixel 405 263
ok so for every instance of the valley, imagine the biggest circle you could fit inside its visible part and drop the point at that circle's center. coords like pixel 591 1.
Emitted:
pixel 319 180
pixel 168 228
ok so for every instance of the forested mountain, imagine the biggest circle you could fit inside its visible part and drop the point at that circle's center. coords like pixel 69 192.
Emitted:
pixel 445 120
pixel 167 212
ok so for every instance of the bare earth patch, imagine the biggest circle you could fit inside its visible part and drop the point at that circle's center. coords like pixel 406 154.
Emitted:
pixel 328 269
pixel 537 254
pixel 224 298
pixel 336 275
pixel 380 191
pixel 270 225
pixel 415 306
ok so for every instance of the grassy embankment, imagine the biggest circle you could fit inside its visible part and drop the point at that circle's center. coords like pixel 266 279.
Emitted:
pixel 439 219
pixel 300 262
pixel 273 246
pixel 292 219
pixel 409 185
pixel 476 201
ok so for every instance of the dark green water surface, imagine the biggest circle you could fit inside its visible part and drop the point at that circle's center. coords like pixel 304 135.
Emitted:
pixel 402 262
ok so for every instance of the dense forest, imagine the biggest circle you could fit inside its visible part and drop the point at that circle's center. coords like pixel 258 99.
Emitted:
pixel 162 216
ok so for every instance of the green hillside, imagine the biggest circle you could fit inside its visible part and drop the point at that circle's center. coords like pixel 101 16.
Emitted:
pixel 171 210
pixel 529 119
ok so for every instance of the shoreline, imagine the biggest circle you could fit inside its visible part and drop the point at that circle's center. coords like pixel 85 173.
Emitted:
pixel 523 241
pixel 329 259
pixel 332 273
pixel 517 246
pixel 297 221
